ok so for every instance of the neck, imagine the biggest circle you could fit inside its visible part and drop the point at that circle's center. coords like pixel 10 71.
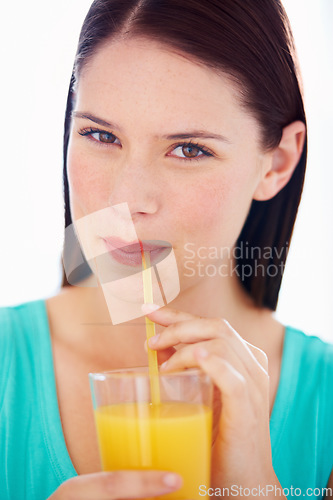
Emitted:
pixel 207 297
pixel 216 297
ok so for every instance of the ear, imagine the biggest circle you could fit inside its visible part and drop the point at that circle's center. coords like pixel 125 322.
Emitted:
pixel 281 162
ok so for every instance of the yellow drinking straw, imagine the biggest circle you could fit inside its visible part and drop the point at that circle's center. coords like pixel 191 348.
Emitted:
pixel 150 328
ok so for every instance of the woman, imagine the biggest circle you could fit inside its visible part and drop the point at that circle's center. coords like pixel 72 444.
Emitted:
pixel 190 113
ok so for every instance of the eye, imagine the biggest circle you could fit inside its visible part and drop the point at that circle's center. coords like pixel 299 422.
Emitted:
pixel 190 151
pixel 100 136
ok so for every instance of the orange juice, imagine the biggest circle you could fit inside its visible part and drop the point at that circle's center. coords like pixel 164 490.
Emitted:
pixel 171 436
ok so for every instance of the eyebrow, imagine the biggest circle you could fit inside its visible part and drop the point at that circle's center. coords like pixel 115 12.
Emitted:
pixel 88 116
pixel 196 133
pixel 170 137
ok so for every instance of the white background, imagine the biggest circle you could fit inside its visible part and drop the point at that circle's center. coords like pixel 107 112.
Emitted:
pixel 38 44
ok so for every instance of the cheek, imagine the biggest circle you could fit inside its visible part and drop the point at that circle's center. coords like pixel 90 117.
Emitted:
pixel 213 212
pixel 87 185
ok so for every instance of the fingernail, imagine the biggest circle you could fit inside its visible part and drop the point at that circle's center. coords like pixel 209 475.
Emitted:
pixel 171 480
pixel 153 340
pixel 149 308
pixel 201 353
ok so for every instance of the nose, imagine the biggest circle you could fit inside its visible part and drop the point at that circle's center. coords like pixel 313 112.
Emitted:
pixel 135 183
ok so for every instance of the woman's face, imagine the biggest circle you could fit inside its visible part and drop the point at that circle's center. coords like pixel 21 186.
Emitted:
pixel 176 146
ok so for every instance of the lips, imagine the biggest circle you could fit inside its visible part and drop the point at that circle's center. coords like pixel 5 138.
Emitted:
pixel 129 253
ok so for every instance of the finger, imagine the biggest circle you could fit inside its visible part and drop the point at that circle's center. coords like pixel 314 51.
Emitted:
pixel 162 355
pixel 195 330
pixel 224 375
pixel 186 357
pixel 187 332
pixel 235 388
pixel 120 484
pixel 186 328
pixel 232 384
pixel 165 316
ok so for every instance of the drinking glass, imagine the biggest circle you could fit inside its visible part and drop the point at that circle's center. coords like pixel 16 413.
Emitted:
pixel 174 434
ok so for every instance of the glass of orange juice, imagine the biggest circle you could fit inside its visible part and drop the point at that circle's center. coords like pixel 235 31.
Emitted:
pixel 174 434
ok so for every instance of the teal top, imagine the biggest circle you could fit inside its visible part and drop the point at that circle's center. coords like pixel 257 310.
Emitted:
pixel 33 455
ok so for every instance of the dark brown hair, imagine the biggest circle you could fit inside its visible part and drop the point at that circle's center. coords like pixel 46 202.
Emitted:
pixel 252 42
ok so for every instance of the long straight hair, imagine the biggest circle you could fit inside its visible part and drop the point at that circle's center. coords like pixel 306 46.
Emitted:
pixel 251 41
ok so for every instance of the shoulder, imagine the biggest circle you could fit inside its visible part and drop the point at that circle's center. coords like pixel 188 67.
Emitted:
pixel 15 319
pixel 20 321
pixel 10 319
pixel 301 423
pixel 309 350
pixel 17 327
pixel 310 366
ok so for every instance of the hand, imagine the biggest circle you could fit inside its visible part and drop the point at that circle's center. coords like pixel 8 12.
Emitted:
pixel 241 453
pixel 117 485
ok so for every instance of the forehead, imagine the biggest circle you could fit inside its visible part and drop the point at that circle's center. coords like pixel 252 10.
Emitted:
pixel 137 77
